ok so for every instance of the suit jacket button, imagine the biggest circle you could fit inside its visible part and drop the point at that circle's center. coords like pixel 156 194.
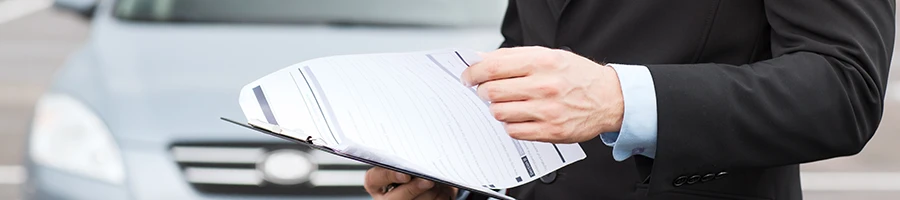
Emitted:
pixel 707 177
pixel 721 174
pixel 680 181
pixel 549 178
pixel 693 179
pixel 566 48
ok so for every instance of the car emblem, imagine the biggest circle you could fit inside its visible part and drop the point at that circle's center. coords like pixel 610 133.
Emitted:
pixel 286 167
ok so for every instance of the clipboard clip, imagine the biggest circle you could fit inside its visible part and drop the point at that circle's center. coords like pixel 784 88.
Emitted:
pixel 299 134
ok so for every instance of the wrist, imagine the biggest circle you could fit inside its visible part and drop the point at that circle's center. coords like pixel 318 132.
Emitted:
pixel 615 112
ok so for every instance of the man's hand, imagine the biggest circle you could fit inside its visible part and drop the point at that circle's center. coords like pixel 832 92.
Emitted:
pixel 378 180
pixel 548 95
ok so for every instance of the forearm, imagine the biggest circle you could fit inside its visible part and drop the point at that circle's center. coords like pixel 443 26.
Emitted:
pixel 819 97
pixel 760 110
pixel 793 109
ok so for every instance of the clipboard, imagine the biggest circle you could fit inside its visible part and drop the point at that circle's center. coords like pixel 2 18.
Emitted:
pixel 309 143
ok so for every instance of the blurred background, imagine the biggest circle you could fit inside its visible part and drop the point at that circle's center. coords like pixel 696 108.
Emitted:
pixel 141 84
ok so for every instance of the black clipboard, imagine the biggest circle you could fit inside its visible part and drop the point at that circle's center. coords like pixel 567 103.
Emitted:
pixel 308 143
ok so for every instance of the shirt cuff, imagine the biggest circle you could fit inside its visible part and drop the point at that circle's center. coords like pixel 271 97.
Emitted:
pixel 639 127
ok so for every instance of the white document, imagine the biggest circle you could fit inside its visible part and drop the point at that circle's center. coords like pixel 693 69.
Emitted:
pixel 406 109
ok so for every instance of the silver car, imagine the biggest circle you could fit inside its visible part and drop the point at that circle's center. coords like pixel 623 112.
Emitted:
pixel 134 113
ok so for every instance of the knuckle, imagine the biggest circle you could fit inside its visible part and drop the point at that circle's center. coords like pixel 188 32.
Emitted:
pixel 554 86
pixel 554 131
pixel 369 183
pixel 552 115
pixel 413 191
pixel 386 175
pixel 548 90
pixel 492 70
pixel 466 74
pixel 549 60
pixel 517 134
pixel 510 129
pixel 492 93
pixel 369 172
pixel 497 112
pixel 559 82
pixel 543 62
pixel 482 90
pixel 369 175
pixel 550 112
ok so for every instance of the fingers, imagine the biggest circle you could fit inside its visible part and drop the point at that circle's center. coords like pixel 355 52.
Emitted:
pixel 515 111
pixel 510 63
pixel 496 67
pixel 410 190
pixel 536 131
pixel 512 89
pixel 378 178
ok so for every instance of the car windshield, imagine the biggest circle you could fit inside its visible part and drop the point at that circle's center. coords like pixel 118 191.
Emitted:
pixel 353 12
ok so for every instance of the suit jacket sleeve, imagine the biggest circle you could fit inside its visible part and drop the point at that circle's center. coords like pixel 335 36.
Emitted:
pixel 820 96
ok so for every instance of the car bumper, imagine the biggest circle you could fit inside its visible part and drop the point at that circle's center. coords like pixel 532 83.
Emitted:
pixel 151 175
pixel 48 183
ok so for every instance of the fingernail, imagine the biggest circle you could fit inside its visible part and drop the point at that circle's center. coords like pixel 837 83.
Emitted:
pixel 465 83
pixel 425 184
pixel 402 177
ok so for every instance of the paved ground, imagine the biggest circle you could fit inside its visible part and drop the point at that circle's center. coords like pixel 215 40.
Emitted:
pixel 31 47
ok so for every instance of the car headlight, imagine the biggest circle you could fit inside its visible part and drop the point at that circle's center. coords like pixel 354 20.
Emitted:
pixel 67 135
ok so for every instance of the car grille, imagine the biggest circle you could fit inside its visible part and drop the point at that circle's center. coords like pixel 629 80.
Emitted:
pixel 240 169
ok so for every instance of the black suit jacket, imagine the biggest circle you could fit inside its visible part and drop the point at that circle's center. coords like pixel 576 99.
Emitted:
pixel 746 89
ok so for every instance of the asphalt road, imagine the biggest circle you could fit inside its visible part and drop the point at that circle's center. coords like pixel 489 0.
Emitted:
pixel 33 46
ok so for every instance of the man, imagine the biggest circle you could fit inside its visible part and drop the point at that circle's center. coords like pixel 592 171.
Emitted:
pixel 721 99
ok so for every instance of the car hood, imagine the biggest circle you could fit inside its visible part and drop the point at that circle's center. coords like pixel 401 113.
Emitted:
pixel 173 81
